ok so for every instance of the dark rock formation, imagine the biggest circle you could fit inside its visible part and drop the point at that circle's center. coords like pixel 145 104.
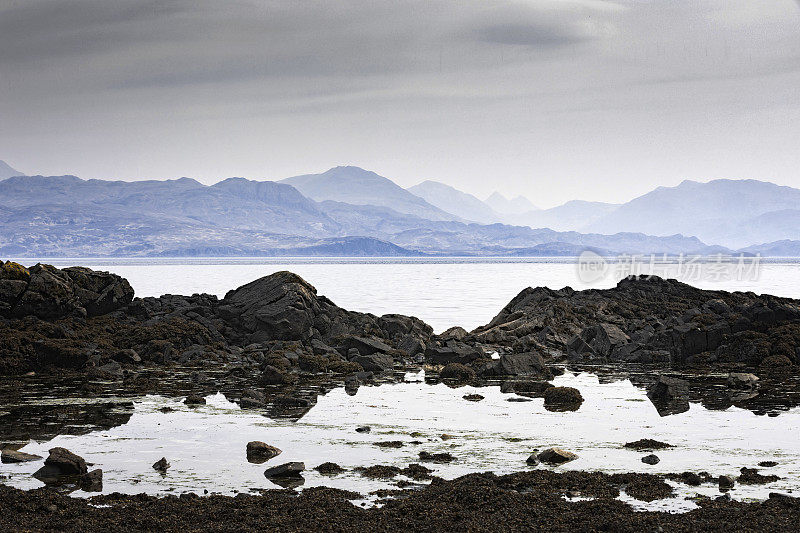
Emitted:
pixel 651 459
pixel 556 456
pixel 562 399
pixel 647 444
pixel 293 469
pixel 162 465
pixel 14 456
pixel 669 395
pixel 647 320
pixel 329 469
pixel 519 364
pixel 92 481
pixel 458 373
pixel 259 452
pixel 66 462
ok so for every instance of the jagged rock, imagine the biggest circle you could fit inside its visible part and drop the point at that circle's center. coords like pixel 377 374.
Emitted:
pixel 14 456
pixel 562 399
pixel 598 341
pixel 293 469
pixel 52 293
pixel 162 465
pixel 411 345
pixel 556 456
pixel 259 452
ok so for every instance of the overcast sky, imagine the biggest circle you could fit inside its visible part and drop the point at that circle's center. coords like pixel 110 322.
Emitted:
pixel 553 99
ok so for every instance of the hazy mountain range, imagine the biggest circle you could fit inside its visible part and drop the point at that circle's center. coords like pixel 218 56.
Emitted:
pixel 7 172
pixel 351 211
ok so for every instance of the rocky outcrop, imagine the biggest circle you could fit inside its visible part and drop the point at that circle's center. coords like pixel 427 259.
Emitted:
pixel 47 292
pixel 647 320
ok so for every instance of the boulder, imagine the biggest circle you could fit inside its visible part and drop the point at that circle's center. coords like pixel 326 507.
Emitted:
pixel 259 452
pixel 329 469
pixel 669 395
pixel 519 364
pixel 411 345
pixel 457 372
pixel 532 460
pixel 562 399
pixel 14 456
pixel 651 459
pixel 363 429
pixel 92 481
pixel 726 482
pixel 598 341
pixel 66 462
pixel 293 469
pixel 556 456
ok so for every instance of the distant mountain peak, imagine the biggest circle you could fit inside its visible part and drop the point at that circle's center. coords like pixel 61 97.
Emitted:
pixel 504 206
pixel 6 171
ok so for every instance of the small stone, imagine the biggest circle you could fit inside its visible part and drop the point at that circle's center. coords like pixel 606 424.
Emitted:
pixel 532 460
pixel 259 452
pixel 651 459
pixel 768 464
pixel 473 397
pixel 363 429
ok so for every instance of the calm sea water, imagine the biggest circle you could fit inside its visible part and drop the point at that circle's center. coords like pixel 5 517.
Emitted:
pixel 446 292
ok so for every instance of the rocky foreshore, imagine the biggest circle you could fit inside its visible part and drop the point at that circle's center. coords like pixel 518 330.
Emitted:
pixel 274 344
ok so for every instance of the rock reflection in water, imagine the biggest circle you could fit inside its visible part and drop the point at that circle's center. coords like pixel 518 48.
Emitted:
pixel 206 445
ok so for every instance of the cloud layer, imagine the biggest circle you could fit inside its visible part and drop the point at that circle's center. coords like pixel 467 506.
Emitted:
pixel 554 99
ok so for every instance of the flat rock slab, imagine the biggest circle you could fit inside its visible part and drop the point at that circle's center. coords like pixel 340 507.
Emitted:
pixel 14 456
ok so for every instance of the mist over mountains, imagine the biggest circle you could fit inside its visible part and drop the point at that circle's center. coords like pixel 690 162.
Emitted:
pixel 350 211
